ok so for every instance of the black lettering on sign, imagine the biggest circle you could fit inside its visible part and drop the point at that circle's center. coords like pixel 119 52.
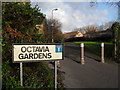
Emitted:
pixel 23 49
pixel 40 56
pixel 20 56
pixel 41 49
pixel 29 49
pixel 26 56
pixel 30 56
pixel 47 49
pixel 35 55
pixel 37 49
pixel 33 48
pixel 44 55
pixel 49 55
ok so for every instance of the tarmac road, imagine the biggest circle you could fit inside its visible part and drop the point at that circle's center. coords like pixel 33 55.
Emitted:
pixel 92 74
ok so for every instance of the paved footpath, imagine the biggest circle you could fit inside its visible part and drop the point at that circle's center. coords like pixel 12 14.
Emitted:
pixel 92 74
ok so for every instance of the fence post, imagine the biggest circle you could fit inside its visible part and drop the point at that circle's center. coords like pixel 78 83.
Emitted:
pixel 82 54
pixel 102 52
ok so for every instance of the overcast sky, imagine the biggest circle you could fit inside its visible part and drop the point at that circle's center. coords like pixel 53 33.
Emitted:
pixel 78 14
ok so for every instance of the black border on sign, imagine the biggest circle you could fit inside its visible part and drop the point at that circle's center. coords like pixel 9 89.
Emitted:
pixel 36 44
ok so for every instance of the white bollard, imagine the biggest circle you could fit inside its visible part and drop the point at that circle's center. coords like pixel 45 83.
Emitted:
pixel 102 53
pixel 82 54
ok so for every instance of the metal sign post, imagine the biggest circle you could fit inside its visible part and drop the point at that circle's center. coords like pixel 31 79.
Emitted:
pixel 102 53
pixel 82 54
pixel 55 74
pixel 21 74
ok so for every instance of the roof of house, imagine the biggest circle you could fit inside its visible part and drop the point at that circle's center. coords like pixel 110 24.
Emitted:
pixel 70 34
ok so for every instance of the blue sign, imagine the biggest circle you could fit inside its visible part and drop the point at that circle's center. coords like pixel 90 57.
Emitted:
pixel 58 49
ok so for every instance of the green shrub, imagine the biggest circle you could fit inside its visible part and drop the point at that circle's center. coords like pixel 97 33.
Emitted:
pixel 19 27
pixel 9 79
pixel 38 76
pixel 38 38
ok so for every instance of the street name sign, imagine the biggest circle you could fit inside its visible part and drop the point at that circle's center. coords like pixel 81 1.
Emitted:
pixel 37 52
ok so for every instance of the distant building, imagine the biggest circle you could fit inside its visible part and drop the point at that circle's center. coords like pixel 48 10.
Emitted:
pixel 79 34
pixel 73 34
pixel 40 28
pixel 105 33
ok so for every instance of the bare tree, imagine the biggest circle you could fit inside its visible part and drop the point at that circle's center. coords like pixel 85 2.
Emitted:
pixel 53 30
pixel 87 29
pixel 90 29
pixel 110 3
pixel 81 30
pixel 105 26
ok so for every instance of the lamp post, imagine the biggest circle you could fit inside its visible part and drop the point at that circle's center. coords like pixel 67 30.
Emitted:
pixel 52 23
pixel 53 42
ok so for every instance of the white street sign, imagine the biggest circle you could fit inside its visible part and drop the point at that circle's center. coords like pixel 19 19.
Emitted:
pixel 37 52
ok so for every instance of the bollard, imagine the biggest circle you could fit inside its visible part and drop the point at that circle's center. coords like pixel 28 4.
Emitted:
pixel 102 52
pixel 82 54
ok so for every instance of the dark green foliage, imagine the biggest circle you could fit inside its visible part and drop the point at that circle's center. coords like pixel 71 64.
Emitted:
pixel 10 79
pixel 19 20
pixel 53 31
pixel 116 30
pixel 109 48
pixel 39 38
pixel 21 16
pixel 38 76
